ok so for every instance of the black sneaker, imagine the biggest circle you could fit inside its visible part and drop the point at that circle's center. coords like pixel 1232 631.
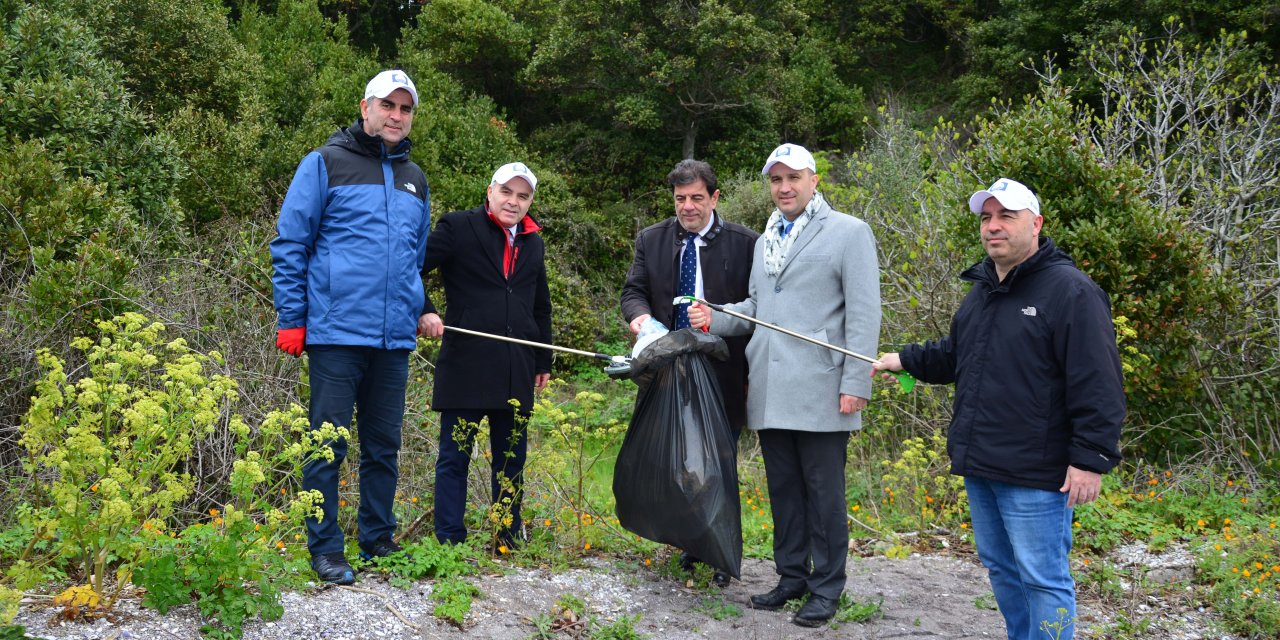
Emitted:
pixel 333 567
pixel 720 579
pixel 380 548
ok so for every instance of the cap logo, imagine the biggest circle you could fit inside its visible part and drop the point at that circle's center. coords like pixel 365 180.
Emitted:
pixel 399 78
pixel 1001 186
pixel 519 168
pixel 782 151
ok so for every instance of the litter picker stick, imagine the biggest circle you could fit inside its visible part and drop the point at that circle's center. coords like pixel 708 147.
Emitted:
pixel 904 379
pixel 542 345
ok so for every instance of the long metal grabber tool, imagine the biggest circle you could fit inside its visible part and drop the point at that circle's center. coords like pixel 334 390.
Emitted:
pixel 905 380
pixel 619 366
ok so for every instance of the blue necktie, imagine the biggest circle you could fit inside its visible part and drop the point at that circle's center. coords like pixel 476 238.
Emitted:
pixel 786 228
pixel 688 279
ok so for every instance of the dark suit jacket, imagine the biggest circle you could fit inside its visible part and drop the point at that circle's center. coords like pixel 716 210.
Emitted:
pixel 482 373
pixel 726 271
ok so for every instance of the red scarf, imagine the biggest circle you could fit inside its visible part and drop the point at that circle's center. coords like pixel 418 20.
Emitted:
pixel 510 251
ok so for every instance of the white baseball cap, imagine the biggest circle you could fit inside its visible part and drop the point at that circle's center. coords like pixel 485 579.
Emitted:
pixel 1013 195
pixel 792 155
pixel 506 172
pixel 388 81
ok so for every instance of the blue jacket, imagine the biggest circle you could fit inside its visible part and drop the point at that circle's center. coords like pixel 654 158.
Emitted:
pixel 1037 373
pixel 352 237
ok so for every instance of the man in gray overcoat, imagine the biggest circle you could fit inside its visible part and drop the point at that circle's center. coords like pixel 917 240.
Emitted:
pixel 814 272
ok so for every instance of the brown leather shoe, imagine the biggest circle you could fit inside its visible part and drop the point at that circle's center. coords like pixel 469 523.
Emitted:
pixel 775 599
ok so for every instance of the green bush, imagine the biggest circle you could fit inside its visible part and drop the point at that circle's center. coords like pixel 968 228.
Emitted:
pixel 57 86
pixel 113 449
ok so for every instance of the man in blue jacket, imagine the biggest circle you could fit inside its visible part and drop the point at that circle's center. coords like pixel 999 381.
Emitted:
pixel 352 235
pixel 1038 406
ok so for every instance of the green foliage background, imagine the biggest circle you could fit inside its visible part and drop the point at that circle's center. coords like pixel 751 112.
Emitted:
pixel 147 145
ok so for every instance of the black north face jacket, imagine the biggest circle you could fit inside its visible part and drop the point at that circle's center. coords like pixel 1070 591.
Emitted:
pixel 1037 373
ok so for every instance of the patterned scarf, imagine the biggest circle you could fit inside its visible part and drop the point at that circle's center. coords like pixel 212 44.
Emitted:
pixel 776 247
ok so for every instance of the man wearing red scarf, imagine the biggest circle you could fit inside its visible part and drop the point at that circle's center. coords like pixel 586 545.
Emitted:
pixel 490 259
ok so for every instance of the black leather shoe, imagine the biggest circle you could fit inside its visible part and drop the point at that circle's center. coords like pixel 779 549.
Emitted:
pixel 687 561
pixel 333 567
pixel 816 612
pixel 721 579
pixel 775 599
pixel 380 548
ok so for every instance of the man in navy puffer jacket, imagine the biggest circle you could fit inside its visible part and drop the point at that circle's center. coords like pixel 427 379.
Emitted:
pixel 1038 407
pixel 352 234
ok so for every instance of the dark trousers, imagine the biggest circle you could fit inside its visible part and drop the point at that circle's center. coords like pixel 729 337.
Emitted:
pixel 508 441
pixel 371 382
pixel 805 473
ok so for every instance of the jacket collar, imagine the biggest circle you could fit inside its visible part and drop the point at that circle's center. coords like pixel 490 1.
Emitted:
pixel 526 225
pixel 354 139
pixel 717 225
pixel 1046 254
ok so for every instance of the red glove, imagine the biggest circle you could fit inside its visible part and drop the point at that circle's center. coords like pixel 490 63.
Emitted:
pixel 292 340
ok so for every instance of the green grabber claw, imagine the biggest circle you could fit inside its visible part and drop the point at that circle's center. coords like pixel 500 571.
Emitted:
pixel 905 381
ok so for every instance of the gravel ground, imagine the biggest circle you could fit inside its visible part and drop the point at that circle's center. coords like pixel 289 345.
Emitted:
pixel 923 596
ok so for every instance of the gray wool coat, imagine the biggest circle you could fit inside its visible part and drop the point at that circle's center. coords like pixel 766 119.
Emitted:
pixel 829 288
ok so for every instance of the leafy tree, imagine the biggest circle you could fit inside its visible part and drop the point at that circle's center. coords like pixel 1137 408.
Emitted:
pixel 312 81
pixel 86 178
pixel 1201 119
pixel 1010 36
pixel 622 58
pixel 373 26
pixel 476 42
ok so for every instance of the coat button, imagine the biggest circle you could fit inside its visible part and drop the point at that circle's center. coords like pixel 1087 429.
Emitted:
pixel 777 289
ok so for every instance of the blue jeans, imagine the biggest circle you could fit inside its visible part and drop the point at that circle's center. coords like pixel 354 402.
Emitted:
pixel 371 383
pixel 1024 538
pixel 508 441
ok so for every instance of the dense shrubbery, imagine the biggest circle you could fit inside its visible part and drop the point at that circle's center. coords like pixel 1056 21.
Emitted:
pixel 147 145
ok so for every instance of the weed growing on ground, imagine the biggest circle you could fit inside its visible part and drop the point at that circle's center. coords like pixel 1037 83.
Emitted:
pixel 453 598
pixel 850 610
pixel 919 493
pixel 718 608
pixel 624 628
pixel 426 559
pixel 1125 627
pixel 985 601
pixel 1054 630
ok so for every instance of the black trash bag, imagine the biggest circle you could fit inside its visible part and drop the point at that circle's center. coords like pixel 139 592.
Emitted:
pixel 676 479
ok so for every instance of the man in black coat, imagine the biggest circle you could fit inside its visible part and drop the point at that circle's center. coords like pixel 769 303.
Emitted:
pixel 495 281
pixel 1038 407
pixel 721 265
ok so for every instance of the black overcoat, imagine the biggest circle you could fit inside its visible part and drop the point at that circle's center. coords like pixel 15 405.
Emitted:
pixel 726 272
pixel 466 248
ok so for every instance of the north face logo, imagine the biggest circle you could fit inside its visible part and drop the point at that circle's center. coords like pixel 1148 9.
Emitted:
pixel 1029 311
pixel 408 186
